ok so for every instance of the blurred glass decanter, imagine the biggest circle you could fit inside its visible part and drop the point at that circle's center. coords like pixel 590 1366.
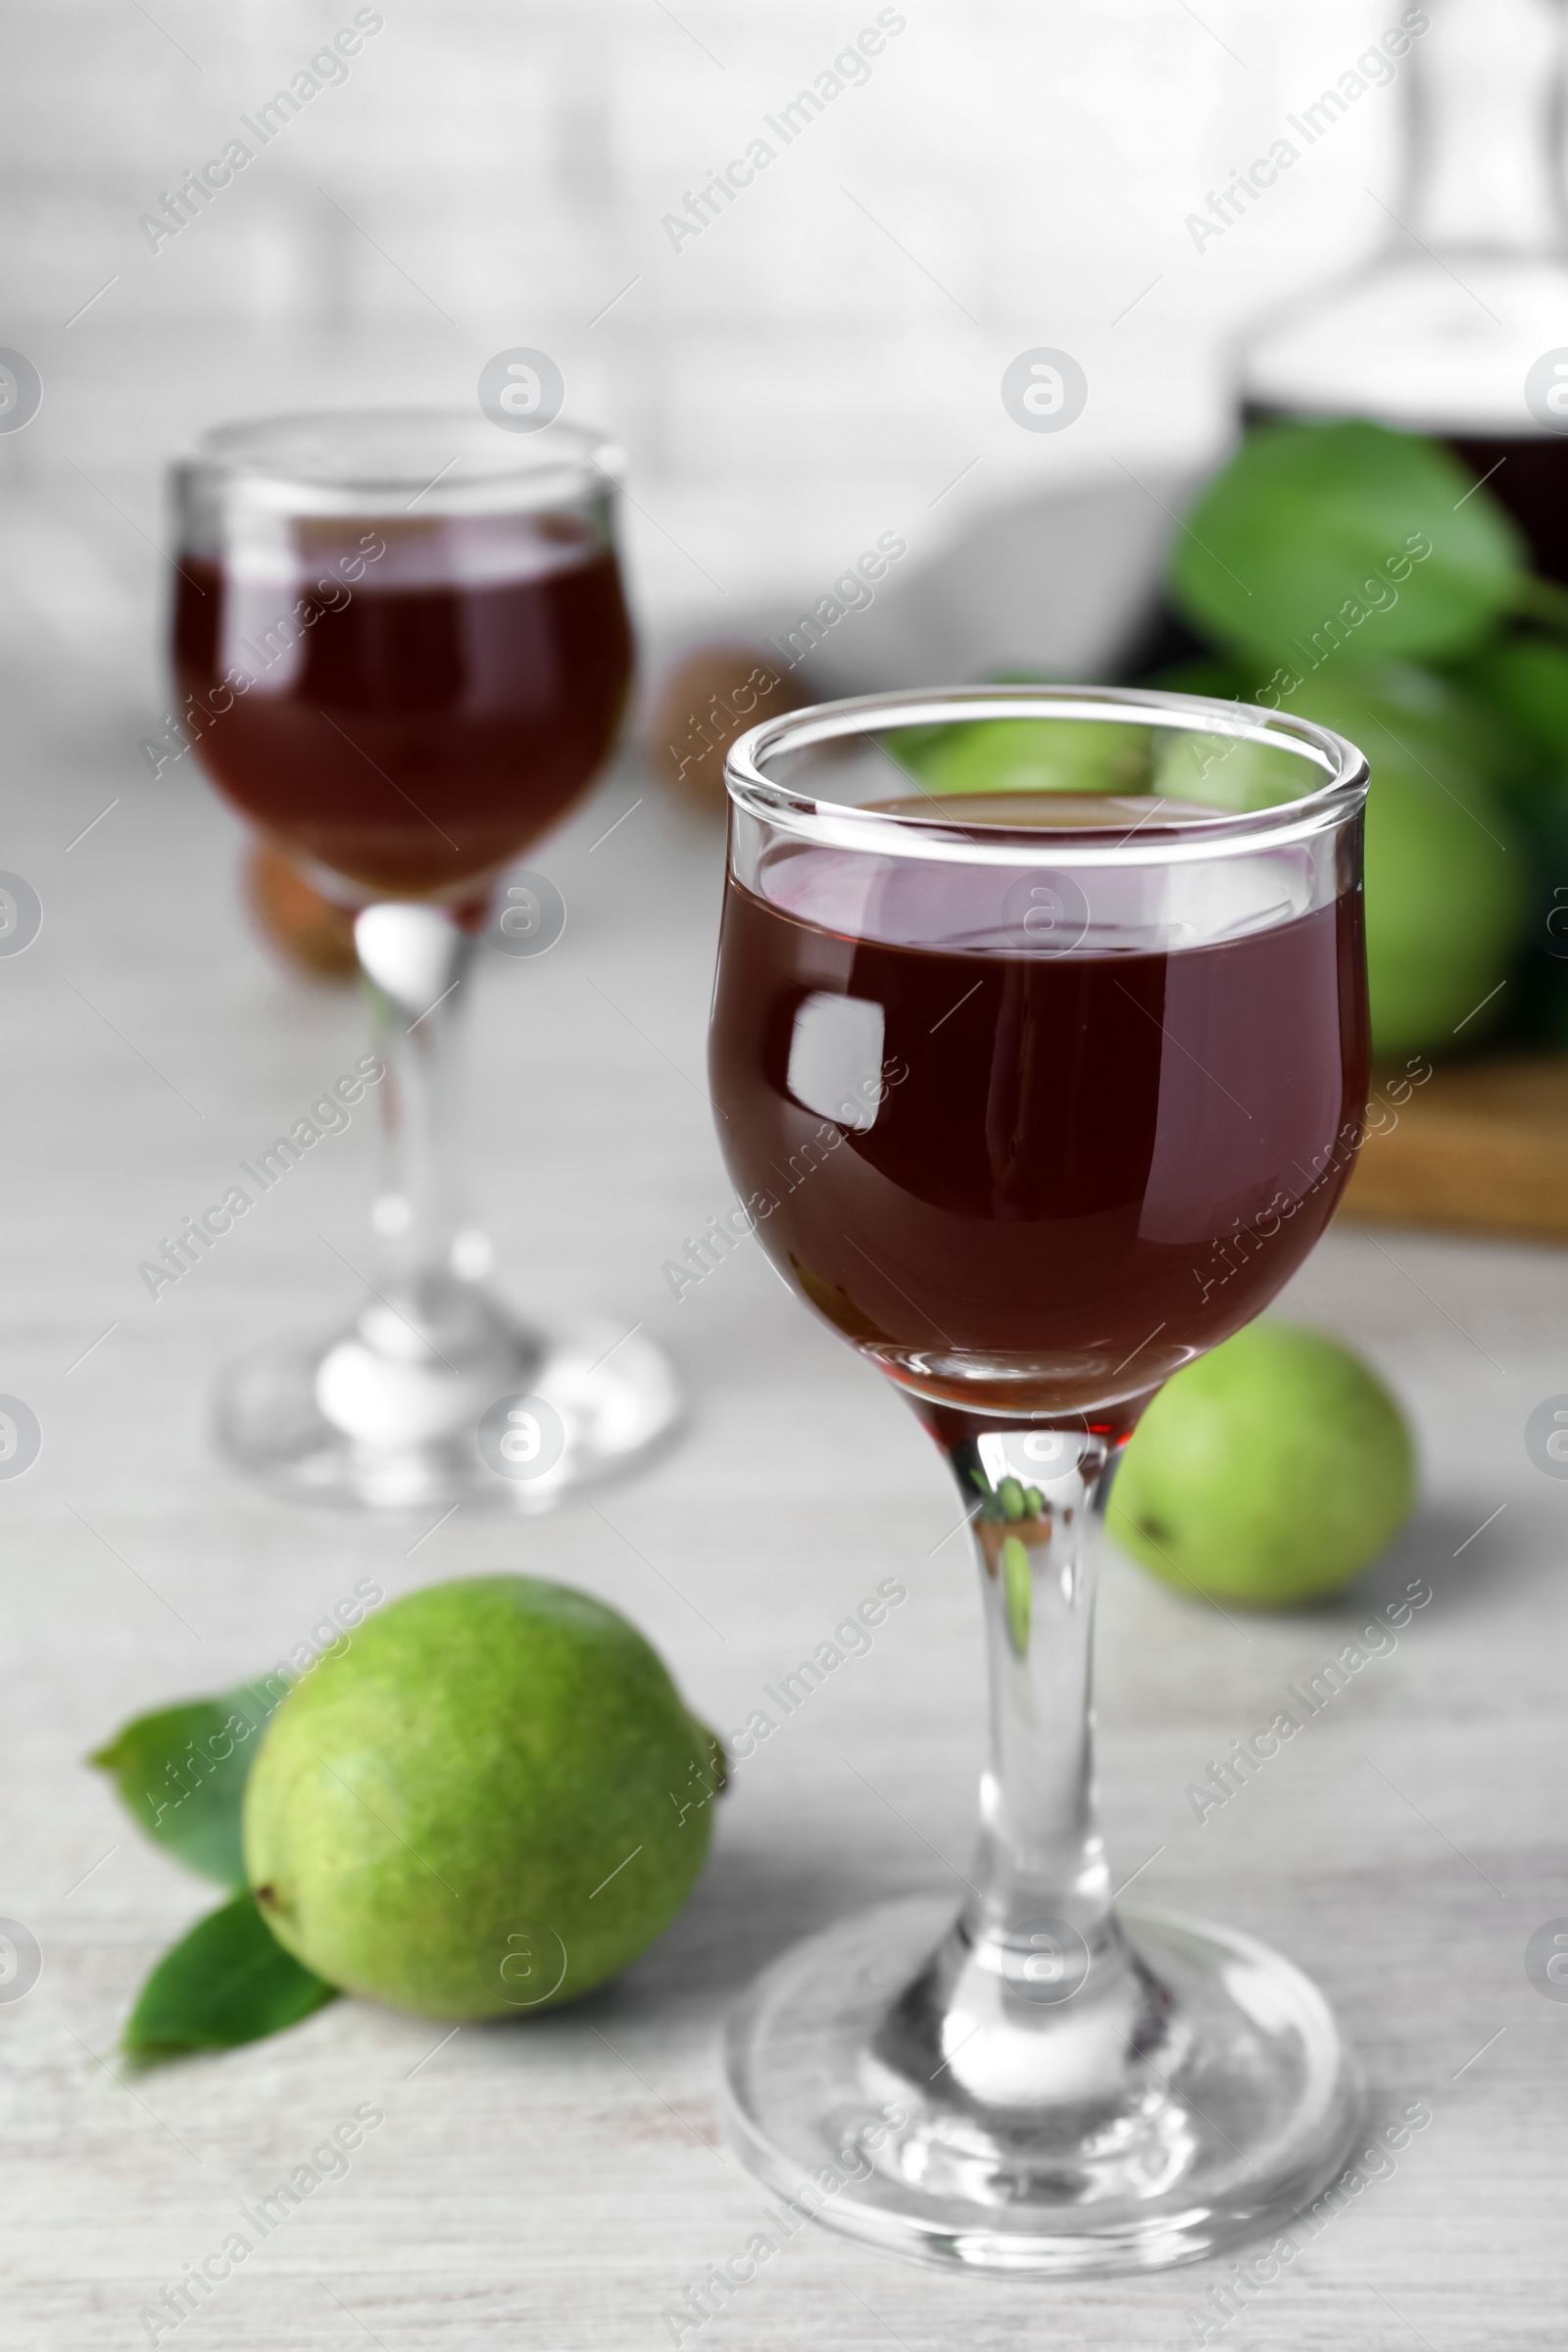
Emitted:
pixel 1459 326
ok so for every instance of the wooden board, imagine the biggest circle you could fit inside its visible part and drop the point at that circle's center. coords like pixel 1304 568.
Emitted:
pixel 1479 1147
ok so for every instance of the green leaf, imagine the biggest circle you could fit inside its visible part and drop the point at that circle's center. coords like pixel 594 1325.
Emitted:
pixel 1313 537
pixel 990 1507
pixel 181 1775
pixel 227 1981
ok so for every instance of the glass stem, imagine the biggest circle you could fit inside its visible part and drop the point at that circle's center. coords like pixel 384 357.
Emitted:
pixel 414 961
pixel 1039 1493
pixel 1038 1931
pixel 1040 1846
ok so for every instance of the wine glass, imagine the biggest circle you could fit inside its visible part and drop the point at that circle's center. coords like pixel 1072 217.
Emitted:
pixel 404 653
pixel 1040 1056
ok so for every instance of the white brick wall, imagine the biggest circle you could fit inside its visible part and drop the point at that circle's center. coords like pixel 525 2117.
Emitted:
pixel 812 369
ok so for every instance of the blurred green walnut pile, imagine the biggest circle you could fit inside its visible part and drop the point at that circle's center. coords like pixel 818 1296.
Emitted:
pixel 1345 573
pixel 490 1799
pixel 1362 578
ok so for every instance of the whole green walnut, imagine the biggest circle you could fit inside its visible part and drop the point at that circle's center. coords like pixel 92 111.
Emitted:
pixel 491 1801
pixel 1268 1473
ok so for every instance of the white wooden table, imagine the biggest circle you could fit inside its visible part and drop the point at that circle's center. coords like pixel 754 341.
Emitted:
pixel 558 2183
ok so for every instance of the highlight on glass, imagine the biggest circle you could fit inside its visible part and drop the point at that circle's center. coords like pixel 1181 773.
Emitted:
pixel 403 646
pixel 1051 1001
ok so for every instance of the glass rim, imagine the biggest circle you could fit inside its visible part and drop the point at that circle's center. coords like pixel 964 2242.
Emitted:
pixel 947 836
pixel 260 459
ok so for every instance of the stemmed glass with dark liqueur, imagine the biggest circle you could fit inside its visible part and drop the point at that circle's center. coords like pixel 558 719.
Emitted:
pixel 404 653
pixel 1035 1098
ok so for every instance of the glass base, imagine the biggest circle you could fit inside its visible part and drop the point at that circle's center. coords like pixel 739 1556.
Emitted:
pixel 469 1408
pixel 1174 2092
